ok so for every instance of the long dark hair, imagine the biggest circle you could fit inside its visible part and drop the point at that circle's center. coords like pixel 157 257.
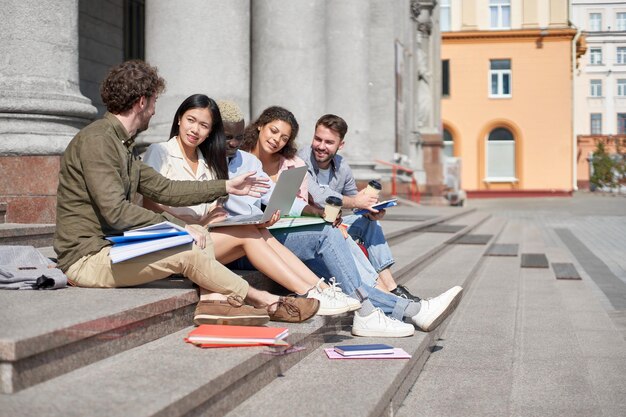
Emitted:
pixel 251 135
pixel 214 147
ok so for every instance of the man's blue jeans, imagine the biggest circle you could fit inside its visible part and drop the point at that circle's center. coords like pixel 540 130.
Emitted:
pixel 371 234
pixel 328 254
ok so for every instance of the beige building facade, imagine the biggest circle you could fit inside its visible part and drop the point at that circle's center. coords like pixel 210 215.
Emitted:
pixel 507 104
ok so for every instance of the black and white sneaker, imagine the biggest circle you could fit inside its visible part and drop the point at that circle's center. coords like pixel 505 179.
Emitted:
pixel 403 292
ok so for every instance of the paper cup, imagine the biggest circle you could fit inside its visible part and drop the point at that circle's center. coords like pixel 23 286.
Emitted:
pixel 373 188
pixel 331 210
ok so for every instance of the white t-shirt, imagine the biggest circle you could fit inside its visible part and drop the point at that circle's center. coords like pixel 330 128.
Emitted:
pixel 323 177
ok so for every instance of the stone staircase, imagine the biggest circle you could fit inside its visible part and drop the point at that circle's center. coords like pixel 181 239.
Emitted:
pixel 121 352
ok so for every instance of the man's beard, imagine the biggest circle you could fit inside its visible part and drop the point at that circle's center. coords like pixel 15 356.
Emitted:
pixel 145 122
pixel 327 158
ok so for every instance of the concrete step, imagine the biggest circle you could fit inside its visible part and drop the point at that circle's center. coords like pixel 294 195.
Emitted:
pixel 164 377
pixel 319 386
pixel 418 246
pixel 401 221
pixel 525 343
pixel 87 326
pixel 37 235
pixel 54 332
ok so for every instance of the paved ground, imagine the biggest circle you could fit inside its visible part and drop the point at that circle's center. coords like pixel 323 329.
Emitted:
pixel 598 221
pixel 525 344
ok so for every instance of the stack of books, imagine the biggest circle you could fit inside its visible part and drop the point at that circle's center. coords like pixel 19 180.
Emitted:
pixel 369 351
pixel 146 240
pixel 217 335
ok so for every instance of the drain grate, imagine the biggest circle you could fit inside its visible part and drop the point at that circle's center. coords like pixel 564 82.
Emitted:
pixel 502 249
pixel 534 260
pixel 444 228
pixel 565 271
pixel 472 240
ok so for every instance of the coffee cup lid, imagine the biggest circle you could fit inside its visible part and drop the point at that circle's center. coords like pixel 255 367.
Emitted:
pixel 335 201
pixel 375 184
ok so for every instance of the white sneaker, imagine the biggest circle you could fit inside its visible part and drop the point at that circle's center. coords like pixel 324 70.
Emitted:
pixel 435 310
pixel 330 304
pixel 353 303
pixel 378 324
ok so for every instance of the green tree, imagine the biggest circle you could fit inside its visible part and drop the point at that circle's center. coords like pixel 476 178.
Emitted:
pixel 603 168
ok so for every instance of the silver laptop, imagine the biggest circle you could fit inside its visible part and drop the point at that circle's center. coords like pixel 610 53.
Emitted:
pixel 282 199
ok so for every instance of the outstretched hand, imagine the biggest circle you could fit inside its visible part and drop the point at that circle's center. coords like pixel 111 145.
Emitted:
pixel 247 184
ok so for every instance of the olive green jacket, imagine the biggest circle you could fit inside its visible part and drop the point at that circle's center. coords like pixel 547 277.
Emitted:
pixel 99 178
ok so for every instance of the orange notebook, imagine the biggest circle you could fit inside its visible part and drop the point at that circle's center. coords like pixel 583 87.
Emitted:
pixel 217 335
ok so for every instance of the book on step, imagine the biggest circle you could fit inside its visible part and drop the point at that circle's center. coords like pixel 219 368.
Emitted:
pixel 397 353
pixel 144 240
pixel 369 349
pixel 217 335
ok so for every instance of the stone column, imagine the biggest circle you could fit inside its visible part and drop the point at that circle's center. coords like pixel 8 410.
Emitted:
pixel 387 128
pixel 201 47
pixel 289 60
pixel 347 79
pixel 41 107
pixel 428 115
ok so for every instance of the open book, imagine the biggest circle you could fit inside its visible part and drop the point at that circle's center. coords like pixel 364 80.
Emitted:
pixel 146 240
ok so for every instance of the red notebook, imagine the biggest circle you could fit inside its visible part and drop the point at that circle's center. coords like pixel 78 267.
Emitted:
pixel 217 335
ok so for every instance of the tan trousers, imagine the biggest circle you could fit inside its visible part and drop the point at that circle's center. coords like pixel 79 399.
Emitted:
pixel 199 265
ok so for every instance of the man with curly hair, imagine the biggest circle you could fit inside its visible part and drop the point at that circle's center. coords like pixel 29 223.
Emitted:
pixel 100 176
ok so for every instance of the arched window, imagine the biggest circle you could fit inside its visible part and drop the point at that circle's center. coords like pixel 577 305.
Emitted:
pixel 448 143
pixel 501 154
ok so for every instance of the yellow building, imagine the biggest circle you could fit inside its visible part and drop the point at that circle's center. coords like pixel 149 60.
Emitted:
pixel 508 94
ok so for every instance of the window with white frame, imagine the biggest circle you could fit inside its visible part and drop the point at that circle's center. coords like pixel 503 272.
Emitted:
pixel 621 55
pixel 500 155
pixel 500 14
pixel 620 21
pixel 448 143
pixel 621 87
pixel 444 15
pixel 595 22
pixel 595 88
pixel 500 78
pixel 595 124
pixel 595 56
pixel 621 123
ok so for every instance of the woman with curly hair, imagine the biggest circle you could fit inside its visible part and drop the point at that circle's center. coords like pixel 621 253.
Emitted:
pixel 271 138
pixel 197 151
